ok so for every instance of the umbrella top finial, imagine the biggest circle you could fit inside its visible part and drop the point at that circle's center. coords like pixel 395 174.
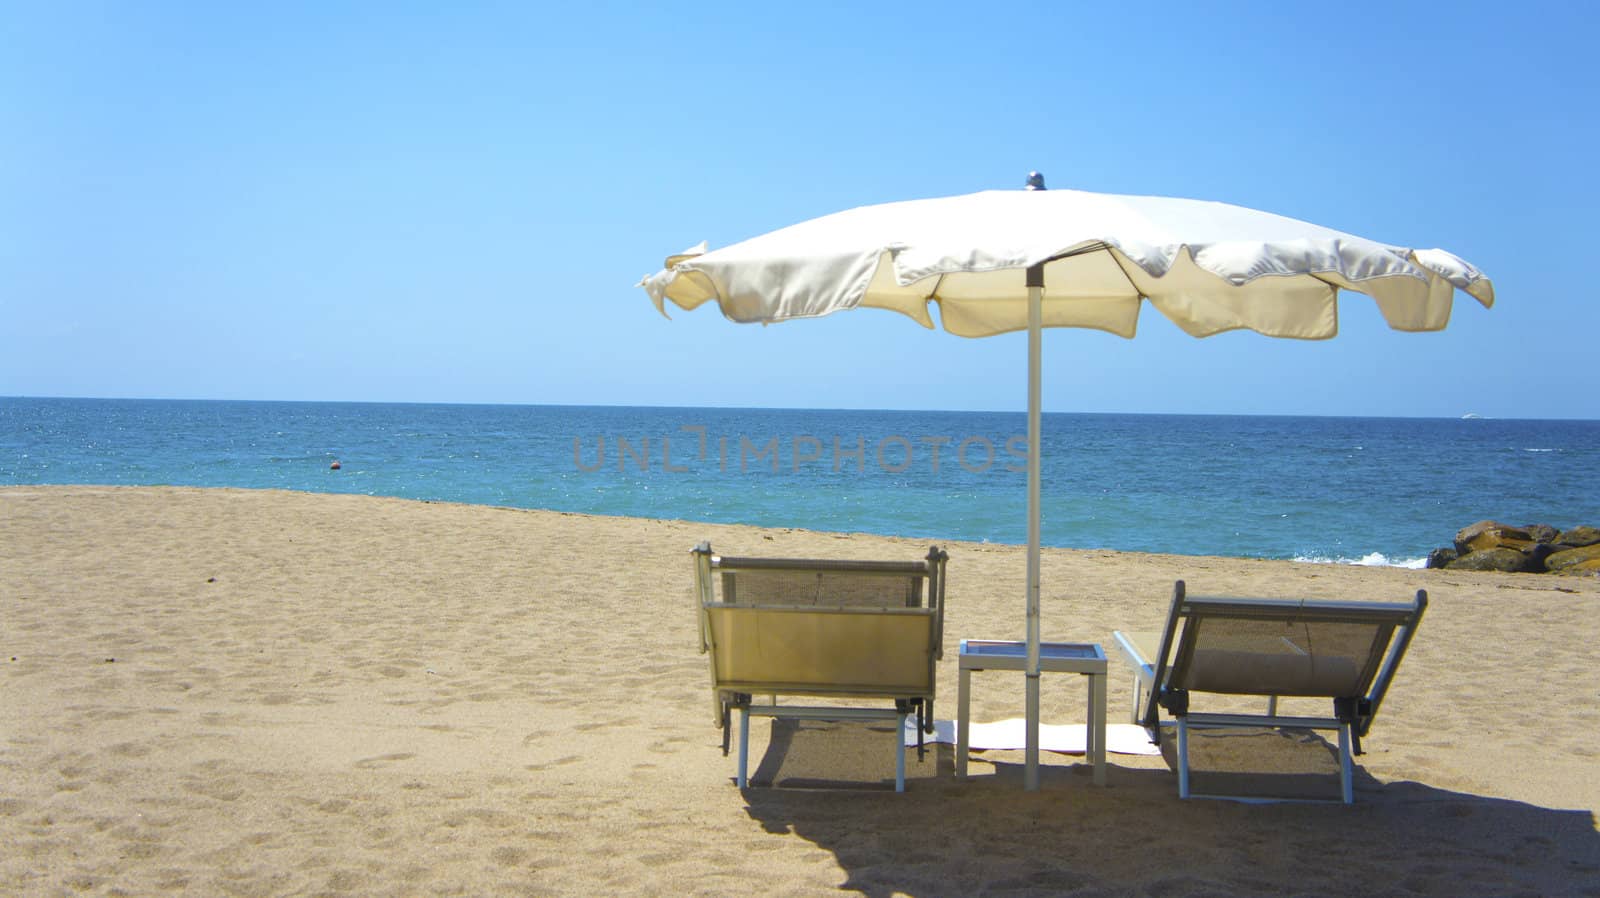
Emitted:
pixel 1035 181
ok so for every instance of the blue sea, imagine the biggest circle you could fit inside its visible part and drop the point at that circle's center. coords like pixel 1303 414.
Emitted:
pixel 1356 490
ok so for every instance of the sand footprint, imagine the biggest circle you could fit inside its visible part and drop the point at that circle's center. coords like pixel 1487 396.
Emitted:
pixel 605 724
pixel 14 807
pixel 674 744
pixel 509 855
pixel 558 762
pixel 222 789
pixel 377 761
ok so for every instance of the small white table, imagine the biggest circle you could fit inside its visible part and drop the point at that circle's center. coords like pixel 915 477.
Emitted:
pixel 1086 658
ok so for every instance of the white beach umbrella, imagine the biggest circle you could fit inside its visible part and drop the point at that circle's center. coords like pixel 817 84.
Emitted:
pixel 1001 261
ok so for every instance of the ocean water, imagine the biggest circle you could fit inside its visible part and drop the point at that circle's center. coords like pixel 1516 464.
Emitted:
pixel 1356 490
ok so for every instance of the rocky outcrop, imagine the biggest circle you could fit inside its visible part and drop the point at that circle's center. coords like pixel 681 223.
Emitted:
pixel 1531 548
pixel 1497 538
pixel 1498 558
pixel 1578 537
pixel 1559 562
pixel 1542 533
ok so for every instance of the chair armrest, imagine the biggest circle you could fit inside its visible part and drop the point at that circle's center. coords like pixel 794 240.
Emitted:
pixel 1137 649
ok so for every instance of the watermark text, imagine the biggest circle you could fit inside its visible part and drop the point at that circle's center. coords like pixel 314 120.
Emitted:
pixel 697 449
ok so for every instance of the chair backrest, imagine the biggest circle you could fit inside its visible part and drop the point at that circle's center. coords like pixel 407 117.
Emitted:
pixel 821 626
pixel 805 585
pixel 1345 651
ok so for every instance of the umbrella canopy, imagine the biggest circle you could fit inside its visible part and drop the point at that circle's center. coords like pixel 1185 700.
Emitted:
pixel 1001 261
pixel 1209 267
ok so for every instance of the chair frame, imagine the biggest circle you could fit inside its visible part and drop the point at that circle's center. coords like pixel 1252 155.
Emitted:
pixel 1352 715
pixel 797 622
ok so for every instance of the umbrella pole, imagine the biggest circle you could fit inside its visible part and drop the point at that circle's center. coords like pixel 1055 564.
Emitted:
pixel 1030 774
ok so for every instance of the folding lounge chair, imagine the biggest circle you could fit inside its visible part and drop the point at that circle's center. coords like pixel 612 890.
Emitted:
pixel 862 631
pixel 1344 651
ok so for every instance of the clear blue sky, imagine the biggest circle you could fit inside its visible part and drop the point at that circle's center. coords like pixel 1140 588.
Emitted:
pixel 453 202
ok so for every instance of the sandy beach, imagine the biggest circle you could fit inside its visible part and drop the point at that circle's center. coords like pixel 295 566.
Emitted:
pixel 237 692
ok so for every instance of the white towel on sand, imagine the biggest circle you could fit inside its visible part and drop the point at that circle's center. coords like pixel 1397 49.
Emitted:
pixel 1069 738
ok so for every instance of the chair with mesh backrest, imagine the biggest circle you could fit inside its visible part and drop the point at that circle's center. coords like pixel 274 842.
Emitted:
pixel 1345 652
pixel 859 633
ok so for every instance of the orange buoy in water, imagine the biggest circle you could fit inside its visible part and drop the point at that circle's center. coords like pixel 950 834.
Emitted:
pixel 335 466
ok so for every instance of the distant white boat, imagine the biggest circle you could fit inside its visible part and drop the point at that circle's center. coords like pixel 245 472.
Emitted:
pixel 1472 416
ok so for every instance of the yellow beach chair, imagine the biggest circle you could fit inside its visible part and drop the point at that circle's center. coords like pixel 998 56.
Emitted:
pixel 859 631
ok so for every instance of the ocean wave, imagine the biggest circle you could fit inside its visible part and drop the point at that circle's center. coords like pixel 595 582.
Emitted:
pixel 1371 559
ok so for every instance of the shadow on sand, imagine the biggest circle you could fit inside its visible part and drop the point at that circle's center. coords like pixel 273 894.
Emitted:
pixel 985 836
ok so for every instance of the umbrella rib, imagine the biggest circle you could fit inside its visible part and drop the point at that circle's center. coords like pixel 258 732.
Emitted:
pixel 1117 258
pixel 1084 250
pixel 1098 246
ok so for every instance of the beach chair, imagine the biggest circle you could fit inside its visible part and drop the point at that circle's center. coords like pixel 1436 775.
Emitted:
pixel 860 633
pixel 1344 651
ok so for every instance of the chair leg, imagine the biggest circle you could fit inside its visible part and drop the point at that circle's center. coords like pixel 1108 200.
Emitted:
pixel 924 724
pixel 963 720
pixel 1183 757
pixel 744 745
pixel 900 752
pixel 1346 766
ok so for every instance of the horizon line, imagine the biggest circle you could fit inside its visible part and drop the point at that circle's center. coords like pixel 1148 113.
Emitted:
pixel 789 408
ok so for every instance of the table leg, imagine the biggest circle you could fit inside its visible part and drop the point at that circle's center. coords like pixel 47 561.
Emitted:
pixel 1088 719
pixel 963 718
pixel 1097 726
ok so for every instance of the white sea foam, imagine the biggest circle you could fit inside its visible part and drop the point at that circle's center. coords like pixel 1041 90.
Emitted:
pixel 1371 559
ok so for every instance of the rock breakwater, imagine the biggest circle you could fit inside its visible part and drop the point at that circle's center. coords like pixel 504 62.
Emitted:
pixel 1529 549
